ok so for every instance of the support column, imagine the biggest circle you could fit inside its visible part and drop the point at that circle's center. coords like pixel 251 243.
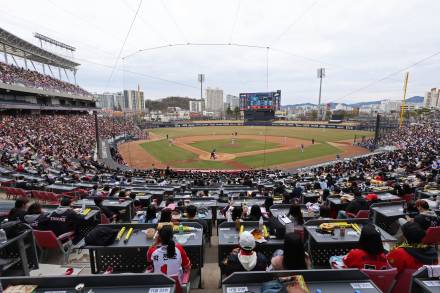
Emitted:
pixel 377 131
pixel 5 54
pixel 98 142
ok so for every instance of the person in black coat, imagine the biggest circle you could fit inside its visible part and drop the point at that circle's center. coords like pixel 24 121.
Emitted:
pixel 64 219
pixel 19 210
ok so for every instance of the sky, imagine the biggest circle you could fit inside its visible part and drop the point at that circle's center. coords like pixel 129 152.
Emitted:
pixel 364 45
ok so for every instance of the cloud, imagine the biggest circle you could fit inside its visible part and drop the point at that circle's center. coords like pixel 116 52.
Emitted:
pixel 357 42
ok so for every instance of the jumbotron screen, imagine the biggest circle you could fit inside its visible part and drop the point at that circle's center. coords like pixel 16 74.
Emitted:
pixel 260 101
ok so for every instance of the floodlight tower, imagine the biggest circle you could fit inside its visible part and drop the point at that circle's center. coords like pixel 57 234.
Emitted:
pixel 321 74
pixel 201 79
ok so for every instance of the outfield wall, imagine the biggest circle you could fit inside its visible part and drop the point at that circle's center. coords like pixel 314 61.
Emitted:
pixel 287 124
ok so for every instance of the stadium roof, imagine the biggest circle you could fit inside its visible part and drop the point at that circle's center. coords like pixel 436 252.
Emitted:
pixel 21 48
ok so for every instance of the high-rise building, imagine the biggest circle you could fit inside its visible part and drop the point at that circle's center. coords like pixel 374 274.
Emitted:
pixel 214 100
pixel 432 98
pixel 109 101
pixel 196 106
pixel 232 101
pixel 133 101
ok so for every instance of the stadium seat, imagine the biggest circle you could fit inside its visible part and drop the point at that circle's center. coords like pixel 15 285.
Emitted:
pixel 363 214
pixel 104 219
pixel 408 197
pixel 403 281
pixel 184 285
pixel 47 240
pixel 384 279
pixel 52 198
pixel 432 236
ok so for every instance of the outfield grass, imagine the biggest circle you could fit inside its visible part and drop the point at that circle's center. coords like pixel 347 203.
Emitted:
pixel 294 155
pixel 165 153
pixel 319 134
pixel 204 165
pixel 240 145
pixel 178 157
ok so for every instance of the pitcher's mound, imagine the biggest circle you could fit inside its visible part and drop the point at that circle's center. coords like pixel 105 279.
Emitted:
pixel 218 157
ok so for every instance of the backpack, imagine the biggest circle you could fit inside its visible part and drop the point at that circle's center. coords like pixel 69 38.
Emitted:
pixel 278 228
pixel 101 236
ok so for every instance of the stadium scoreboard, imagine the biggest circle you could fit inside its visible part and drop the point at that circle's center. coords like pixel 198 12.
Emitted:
pixel 260 101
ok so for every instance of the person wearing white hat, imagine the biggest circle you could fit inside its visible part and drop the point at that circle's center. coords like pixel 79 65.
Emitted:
pixel 244 258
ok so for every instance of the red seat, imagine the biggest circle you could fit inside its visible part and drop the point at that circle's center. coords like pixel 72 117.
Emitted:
pixel 14 192
pixel 7 191
pixel 403 281
pixel 104 219
pixel 47 240
pixel 408 197
pixel 38 195
pixel 363 214
pixel 384 279
pixel 183 285
pixel 52 198
pixel 432 236
pixel 350 215
pixel 299 232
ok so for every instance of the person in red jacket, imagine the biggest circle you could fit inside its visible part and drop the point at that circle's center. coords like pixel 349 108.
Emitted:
pixel 412 254
pixel 370 253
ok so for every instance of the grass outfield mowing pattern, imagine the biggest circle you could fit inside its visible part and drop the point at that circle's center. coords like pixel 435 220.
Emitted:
pixel 240 145
pixel 319 134
pixel 294 155
pixel 178 157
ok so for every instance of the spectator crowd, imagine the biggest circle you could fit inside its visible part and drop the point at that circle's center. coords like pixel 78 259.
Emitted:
pixel 17 75
pixel 34 143
pixel 66 142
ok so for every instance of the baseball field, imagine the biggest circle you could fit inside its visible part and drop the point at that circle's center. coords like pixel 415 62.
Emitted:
pixel 241 147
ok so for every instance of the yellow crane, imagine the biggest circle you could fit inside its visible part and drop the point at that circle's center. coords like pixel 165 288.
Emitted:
pixel 402 107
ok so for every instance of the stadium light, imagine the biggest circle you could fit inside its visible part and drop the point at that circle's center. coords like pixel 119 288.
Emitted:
pixel 321 74
pixel 54 42
pixel 201 78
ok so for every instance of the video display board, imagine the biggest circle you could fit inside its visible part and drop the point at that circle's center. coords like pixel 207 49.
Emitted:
pixel 260 101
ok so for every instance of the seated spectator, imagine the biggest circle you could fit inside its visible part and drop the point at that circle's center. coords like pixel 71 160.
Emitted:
pixel 426 217
pixel 94 191
pixel 292 256
pixel 255 213
pixel 64 219
pixel 170 204
pixel 325 194
pixel 324 212
pixel 412 254
pixel 123 195
pixel 151 215
pixel 35 216
pixel 165 216
pixel 237 213
pixel 268 202
pixel 19 210
pixel 411 209
pixel 244 258
pixel 370 253
pixel 356 205
pixel 105 210
pixel 295 215
pixel 137 205
pixel 191 214
pixel 114 191
pixel 166 256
